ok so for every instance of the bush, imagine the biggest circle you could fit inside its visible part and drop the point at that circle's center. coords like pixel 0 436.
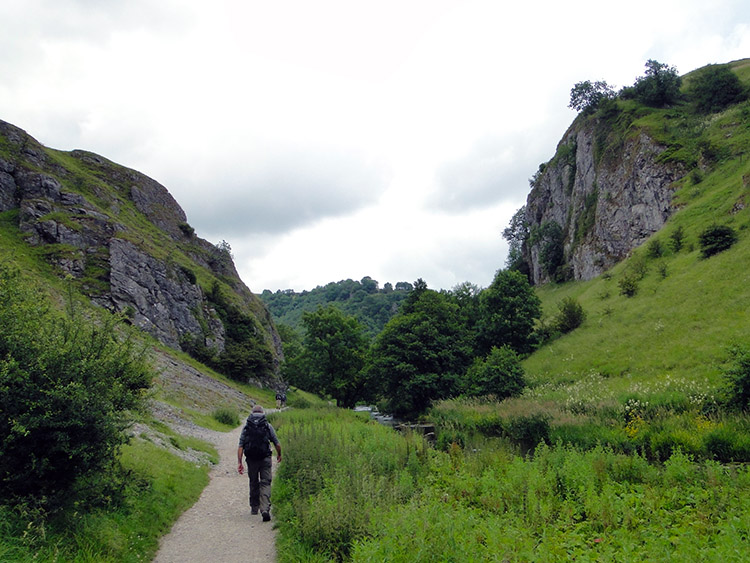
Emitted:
pixel 226 416
pixel 628 285
pixel 67 389
pixel 676 238
pixel 500 374
pixel 528 431
pixel 725 444
pixel 714 88
pixel 738 378
pixel 716 238
pixel 298 402
pixel 571 315
pixel 655 249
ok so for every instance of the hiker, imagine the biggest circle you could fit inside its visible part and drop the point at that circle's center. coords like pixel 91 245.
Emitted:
pixel 283 400
pixel 256 435
pixel 278 399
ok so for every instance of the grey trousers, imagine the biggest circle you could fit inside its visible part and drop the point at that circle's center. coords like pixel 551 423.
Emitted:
pixel 259 473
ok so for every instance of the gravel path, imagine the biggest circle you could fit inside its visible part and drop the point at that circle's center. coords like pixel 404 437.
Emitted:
pixel 219 527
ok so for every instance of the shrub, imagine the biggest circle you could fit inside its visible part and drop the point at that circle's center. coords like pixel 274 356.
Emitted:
pixel 628 285
pixel 676 239
pixel 298 402
pixel 67 389
pixel 500 374
pixel 655 249
pixel 714 88
pixel 226 416
pixel 738 378
pixel 186 229
pixel 716 238
pixel 528 431
pixel 571 315
pixel 725 444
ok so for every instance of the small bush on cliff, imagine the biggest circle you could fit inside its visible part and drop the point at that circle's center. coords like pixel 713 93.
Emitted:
pixel 714 88
pixel 66 390
pixel 716 238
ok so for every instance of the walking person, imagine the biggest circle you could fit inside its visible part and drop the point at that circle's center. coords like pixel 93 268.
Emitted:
pixel 254 444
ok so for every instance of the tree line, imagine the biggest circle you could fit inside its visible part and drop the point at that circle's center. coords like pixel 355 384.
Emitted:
pixel 440 344
pixel 372 305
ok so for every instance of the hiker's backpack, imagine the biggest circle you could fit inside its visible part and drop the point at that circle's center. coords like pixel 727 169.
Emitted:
pixel 255 444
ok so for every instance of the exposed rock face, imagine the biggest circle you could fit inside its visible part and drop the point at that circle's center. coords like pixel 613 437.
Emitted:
pixel 165 303
pixel 606 206
pixel 82 218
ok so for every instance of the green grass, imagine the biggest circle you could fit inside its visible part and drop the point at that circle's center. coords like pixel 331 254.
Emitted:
pixel 156 490
pixel 353 491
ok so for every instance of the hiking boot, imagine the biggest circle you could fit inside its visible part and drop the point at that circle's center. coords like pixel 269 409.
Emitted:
pixel 266 516
pixel 254 510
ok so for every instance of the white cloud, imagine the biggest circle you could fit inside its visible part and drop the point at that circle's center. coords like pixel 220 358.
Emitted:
pixel 336 139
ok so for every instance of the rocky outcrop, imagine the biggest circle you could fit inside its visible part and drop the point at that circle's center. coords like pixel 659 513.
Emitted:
pixel 605 205
pixel 92 220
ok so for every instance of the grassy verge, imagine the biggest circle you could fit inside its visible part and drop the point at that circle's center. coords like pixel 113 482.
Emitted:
pixel 350 490
pixel 156 488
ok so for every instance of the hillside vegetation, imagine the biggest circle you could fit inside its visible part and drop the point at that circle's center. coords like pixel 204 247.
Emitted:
pixel 364 300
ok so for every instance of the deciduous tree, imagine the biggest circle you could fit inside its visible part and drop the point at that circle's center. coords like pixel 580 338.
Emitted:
pixel 421 354
pixel 508 309
pixel 335 350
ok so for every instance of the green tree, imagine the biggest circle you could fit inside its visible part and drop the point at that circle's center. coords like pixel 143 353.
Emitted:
pixel 335 351
pixel 421 354
pixel 715 87
pixel 586 96
pixel 659 87
pixel 500 374
pixel 508 309
pixel 67 391
pixel 550 239
pixel 517 233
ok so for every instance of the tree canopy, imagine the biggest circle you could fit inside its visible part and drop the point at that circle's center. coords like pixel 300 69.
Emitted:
pixel 335 351
pixel 659 87
pixel 715 87
pixel 421 354
pixel 508 310
pixel 586 96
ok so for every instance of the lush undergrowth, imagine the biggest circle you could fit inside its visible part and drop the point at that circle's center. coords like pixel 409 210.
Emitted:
pixel 154 490
pixel 350 490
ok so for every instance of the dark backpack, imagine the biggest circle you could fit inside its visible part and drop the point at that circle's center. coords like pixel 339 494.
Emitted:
pixel 255 443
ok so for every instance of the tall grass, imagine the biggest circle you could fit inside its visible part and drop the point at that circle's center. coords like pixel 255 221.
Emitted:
pixel 352 491
pixel 339 472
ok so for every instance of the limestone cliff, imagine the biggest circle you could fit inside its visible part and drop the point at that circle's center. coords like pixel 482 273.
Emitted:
pixel 125 243
pixel 607 193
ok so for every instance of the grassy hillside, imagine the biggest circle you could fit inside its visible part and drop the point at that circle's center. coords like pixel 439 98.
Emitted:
pixel 687 309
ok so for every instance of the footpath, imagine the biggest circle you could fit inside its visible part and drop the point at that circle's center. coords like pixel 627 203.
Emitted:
pixel 219 527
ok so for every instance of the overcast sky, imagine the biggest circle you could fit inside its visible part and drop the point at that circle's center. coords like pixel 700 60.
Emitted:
pixel 335 139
